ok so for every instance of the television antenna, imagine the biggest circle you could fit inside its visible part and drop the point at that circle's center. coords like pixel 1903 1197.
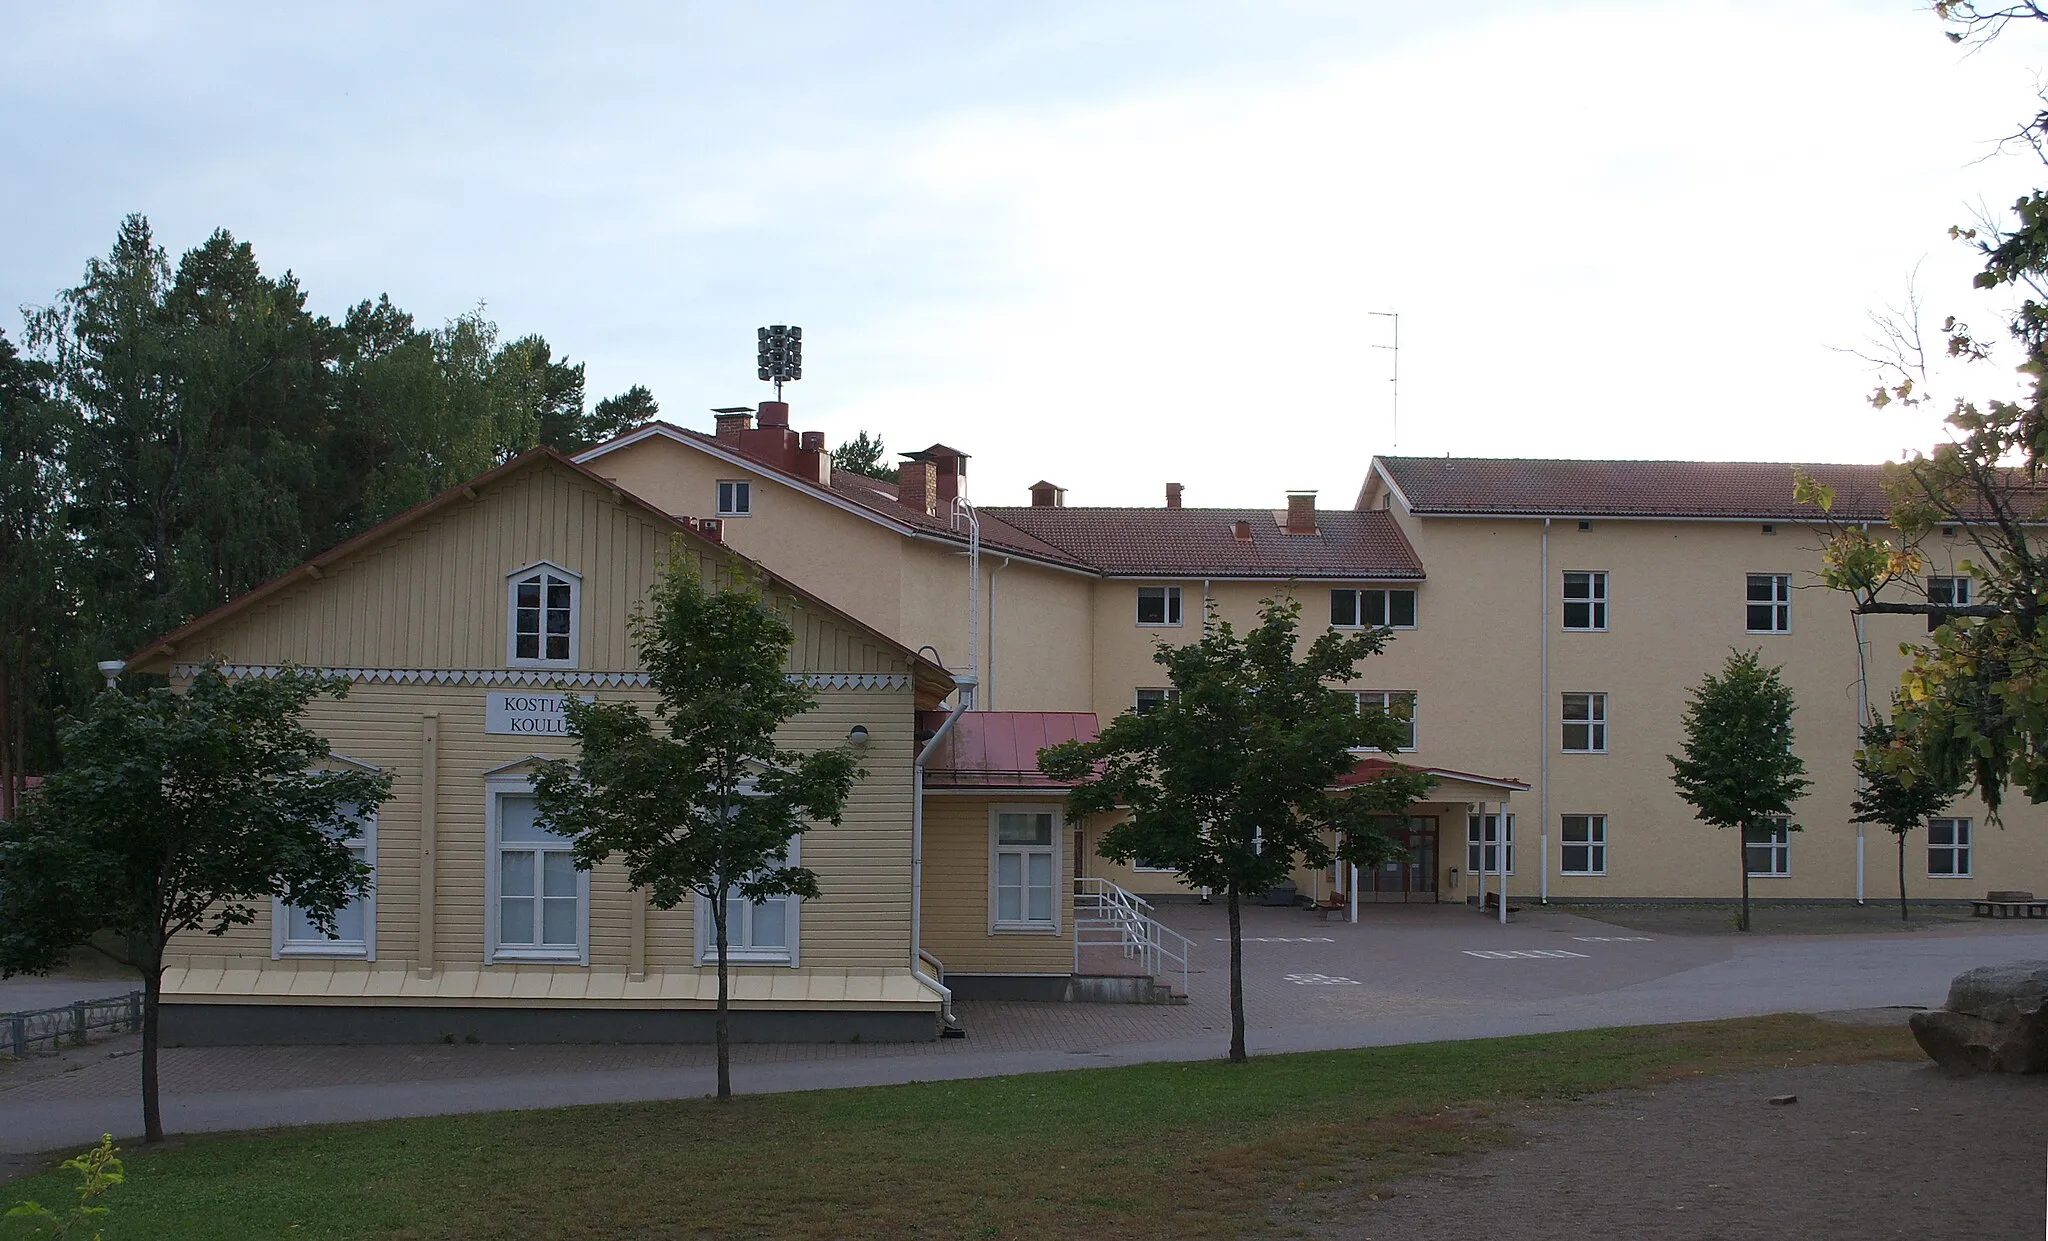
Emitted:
pixel 1395 348
pixel 779 355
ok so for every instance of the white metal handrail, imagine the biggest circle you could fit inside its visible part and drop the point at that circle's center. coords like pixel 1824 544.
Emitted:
pixel 1108 916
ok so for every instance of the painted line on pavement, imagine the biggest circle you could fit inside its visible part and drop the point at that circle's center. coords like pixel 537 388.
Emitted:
pixel 1522 953
pixel 1319 980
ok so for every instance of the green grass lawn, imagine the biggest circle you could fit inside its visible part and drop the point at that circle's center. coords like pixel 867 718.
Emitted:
pixel 1171 1150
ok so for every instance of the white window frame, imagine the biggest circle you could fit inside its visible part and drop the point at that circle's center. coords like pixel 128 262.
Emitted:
pixel 1475 841
pixel 1780 845
pixel 1145 868
pixel 1594 601
pixel 282 945
pixel 789 955
pixel 1386 699
pixel 1959 589
pixel 495 953
pixel 1959 847
pixel 1025 926
pixel 1170 607
pixel 1386 609
pixel 1595 722
pixel 513 580
pixel 1780 602
pixel 735 497
pixel 1595 844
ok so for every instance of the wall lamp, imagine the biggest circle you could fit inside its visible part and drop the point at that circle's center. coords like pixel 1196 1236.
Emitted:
pixel 858 735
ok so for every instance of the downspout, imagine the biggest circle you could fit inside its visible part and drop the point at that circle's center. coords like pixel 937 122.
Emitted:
pixel 1862 715
pixel 970 697
pixel 1543 725
pixel 917 867
pixel 988 680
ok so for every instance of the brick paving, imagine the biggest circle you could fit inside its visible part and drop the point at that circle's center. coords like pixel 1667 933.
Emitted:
pixel 1401 974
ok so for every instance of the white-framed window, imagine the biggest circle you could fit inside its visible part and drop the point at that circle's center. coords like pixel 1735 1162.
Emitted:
pixel 735 497
pixel 542 605
pixel 756 932
pixel 1770 603
pixel 1152 699
pixel 1487 849
pixel 1768 851
pixel 1364 609
pixel 1585 723
pixel 1948 848
pixel 1584 838
pixel 1585 601
pixel 1151 866
pixel 1159 605
pixel 1024 868
pixel 1946 592
pixel 1398 703
pixel 538 903
pixel 292 932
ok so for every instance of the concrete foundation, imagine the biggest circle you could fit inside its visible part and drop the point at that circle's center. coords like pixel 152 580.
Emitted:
pixel 230 1025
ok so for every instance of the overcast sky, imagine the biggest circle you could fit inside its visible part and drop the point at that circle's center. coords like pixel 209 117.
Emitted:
pixel 1107 244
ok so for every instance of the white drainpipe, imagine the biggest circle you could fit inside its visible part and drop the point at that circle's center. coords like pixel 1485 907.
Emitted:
pixel 917 864
pixel 970 691
pixel 1543 726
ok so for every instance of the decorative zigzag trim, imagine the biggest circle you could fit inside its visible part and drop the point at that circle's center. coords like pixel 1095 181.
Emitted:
pixel 533 677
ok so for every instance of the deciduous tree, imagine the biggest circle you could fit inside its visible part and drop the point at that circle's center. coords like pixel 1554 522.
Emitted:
pixel 178 812
pixel 1898 791
pixel 700 801
pixel 1738 769
pixel 1231 781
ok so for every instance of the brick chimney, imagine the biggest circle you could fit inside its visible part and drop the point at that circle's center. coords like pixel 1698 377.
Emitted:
pixel 711 528
pixel 1301 512
pixel 814 460
pixel 1048 495
pixel 733 420
pixel 917 484
pixel 1173 495
pixel 1241 531
pixel 774 414
pixel 951 474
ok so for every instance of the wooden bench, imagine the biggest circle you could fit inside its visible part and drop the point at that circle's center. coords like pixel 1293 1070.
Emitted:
pixel 2009 905
pixel 1333 906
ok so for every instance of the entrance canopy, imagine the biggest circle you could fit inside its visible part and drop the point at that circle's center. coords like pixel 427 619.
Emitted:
pixel 1451 786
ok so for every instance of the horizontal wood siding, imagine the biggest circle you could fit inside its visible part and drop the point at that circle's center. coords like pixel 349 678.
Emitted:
pixel 956 883
pixel 862 920
pixel 434 594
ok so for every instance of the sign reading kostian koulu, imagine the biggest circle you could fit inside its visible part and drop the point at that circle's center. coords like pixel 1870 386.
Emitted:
pixel 539 715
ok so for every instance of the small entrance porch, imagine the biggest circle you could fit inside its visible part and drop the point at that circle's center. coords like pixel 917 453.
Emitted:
pixel 1459 843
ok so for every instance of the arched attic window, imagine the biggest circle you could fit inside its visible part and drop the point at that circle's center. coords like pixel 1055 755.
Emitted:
pixel 543 607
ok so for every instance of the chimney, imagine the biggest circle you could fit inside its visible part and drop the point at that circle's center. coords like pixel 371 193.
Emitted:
pixel 1173 495
pixel 814 462
pixel 711 528
pixel 1241 531
pixel 951 474
pixel 917 484
pixel 732 420
pixel 1048 495
pixel 1301 512
pixel 774 414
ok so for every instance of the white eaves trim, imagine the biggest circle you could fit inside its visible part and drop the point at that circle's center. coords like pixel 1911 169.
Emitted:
pixel 1379 469
pixel 766 471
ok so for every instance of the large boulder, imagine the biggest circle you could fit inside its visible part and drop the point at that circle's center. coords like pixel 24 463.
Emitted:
pixel 1996 1020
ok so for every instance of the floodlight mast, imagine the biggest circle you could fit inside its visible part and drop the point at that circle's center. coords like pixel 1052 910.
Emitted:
pixel 779 355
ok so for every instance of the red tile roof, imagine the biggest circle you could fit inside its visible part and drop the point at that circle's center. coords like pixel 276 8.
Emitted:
pixel 999 749
pixel 1560 488
pixel 1199 542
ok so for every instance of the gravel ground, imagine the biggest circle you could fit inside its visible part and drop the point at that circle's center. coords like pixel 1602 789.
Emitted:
pixel 1881 1150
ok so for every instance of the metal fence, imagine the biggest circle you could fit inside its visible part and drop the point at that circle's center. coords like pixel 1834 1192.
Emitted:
pixel 73 1025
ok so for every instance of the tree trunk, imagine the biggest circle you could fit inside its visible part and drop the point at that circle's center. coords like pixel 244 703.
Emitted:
pixel 1237 1052
pixel 1903 915
pixel 1743 922
pixel 723 1021
pixel 152 996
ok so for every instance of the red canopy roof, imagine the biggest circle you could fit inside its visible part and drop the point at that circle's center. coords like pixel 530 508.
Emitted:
pixel 999 749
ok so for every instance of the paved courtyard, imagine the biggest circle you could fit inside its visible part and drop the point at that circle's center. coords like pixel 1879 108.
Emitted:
pixel 1402 974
